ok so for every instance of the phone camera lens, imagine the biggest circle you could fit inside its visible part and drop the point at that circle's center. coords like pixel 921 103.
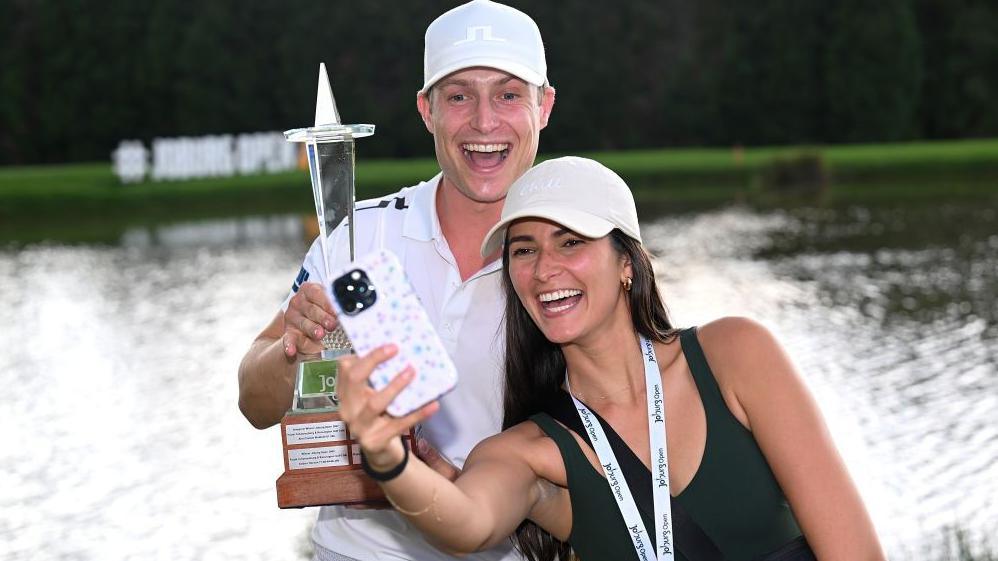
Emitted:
pixel 354 292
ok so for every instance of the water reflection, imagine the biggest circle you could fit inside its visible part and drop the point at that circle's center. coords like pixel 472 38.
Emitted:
pixel 266 230
pixel 121 437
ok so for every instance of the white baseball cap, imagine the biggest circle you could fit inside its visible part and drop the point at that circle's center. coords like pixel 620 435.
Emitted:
pixel 484 33
pixel 580 194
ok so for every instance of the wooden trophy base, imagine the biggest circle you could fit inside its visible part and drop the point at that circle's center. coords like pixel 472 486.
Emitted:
pixel 326 488
pixel 322 463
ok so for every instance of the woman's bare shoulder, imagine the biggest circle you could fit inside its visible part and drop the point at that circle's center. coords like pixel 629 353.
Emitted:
pixel 524 443
pixel 733 330
pixel 747 361
pixel 521 439
pixel 737 344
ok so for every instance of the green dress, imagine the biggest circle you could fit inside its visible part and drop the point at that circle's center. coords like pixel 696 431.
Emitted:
pixel 733 496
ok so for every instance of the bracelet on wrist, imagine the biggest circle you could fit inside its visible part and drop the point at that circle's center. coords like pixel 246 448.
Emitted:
pixel 432 506
pixel 384 476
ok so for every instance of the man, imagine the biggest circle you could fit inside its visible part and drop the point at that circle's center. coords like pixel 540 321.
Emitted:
pixel 485 99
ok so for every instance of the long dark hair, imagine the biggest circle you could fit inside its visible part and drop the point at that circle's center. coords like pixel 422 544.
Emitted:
pixel 535 367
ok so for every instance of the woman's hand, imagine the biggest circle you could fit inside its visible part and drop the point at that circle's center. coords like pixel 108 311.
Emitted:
pixel 363 408
pixel 494 494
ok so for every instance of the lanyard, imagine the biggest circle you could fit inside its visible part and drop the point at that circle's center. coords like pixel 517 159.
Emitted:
pixel 660 465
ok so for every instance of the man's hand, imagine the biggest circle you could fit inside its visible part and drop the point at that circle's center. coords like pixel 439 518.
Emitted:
pixel 307 320
pixel 431 456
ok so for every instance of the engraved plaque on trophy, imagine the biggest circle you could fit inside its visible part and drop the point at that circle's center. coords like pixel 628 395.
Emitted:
pixel 321 461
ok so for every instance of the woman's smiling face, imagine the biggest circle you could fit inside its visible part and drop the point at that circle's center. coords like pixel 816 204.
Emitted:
pixel 569 284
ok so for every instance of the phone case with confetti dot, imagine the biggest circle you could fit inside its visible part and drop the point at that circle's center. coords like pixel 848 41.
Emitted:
pixel 376 305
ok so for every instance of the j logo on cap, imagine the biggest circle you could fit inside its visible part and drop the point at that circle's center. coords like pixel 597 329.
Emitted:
pixel 486 35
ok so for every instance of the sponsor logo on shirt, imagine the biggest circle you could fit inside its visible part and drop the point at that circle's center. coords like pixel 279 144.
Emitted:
pixel 299 280
pixel 400 204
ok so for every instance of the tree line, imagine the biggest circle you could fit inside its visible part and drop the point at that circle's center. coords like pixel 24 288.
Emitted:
pixel 78 76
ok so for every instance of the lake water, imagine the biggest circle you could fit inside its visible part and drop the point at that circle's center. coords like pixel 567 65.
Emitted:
pixel 121 438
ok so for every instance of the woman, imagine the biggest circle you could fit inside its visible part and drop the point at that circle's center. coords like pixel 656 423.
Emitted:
pixel 692 440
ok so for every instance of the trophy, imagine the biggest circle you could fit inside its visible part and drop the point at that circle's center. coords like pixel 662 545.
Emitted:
pixel 321 462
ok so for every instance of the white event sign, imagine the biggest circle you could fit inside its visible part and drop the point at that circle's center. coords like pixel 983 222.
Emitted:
pixel 186 157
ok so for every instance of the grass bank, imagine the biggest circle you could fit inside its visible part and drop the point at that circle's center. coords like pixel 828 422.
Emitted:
pixel 68 201
pixel 866 173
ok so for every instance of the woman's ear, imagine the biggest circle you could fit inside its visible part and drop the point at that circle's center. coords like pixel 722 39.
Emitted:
pixel 627 271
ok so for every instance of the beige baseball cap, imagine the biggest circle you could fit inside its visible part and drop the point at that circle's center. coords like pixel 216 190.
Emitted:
pixel 580 194
pixel 484 33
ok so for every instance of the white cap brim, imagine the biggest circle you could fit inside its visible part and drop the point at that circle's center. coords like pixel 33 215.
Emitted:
pixel 580 222
pixel 516 69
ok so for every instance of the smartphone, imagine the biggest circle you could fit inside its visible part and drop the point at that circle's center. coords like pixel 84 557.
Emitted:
pixel 376 305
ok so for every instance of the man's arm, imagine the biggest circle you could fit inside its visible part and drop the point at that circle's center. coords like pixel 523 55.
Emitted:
pixel 267 372
pixel 266 377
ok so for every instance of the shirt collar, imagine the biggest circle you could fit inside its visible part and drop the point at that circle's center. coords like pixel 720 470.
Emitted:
pixel 421 222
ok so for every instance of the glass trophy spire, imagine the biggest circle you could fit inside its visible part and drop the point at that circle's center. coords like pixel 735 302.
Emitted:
pixel 329 150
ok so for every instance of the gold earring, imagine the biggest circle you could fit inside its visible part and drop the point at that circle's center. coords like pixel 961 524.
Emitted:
pixel 627 282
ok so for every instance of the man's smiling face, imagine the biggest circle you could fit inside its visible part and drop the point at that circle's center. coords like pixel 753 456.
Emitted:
pixel 486 127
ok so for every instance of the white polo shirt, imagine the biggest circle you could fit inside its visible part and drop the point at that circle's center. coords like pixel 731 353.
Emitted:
pixel 467 315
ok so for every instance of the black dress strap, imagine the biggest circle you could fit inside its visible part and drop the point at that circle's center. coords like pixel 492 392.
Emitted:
pixel 691 540
pixel 710 392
